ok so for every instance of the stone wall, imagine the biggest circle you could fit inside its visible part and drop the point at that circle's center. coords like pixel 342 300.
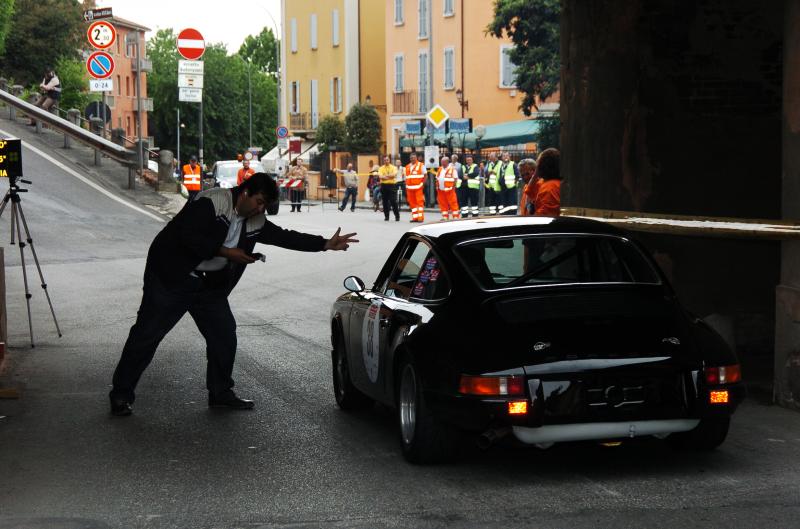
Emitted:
pixel 675 107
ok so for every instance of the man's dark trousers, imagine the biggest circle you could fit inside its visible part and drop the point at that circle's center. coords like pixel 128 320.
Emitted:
pixel 162 307
pixel 389 197
pixel 349 192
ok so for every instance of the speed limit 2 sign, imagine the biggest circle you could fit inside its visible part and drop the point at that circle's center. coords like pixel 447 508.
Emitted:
pixel 101 34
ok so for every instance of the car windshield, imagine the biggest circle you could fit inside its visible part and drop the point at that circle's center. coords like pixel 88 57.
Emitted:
pixel 229 171
pixel 555 259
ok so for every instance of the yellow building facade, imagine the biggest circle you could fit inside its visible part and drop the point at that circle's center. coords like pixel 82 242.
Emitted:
pixel 438 52
pixel 330 60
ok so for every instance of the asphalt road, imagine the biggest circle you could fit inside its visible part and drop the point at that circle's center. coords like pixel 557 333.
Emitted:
pixel 296 460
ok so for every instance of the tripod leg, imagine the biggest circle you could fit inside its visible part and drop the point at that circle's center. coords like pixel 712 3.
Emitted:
pixel 15 223
pixel 5 202
pixel 36 262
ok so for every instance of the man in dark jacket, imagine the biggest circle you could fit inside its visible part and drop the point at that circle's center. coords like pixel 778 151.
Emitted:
pixel 192 266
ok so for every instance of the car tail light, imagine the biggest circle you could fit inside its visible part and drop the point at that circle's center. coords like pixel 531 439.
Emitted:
pixel 718 397
pixel 723 374
pixel 471 385
pixel 518 407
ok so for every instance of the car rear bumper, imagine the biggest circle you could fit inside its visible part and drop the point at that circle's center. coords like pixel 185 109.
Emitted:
pixel 601 430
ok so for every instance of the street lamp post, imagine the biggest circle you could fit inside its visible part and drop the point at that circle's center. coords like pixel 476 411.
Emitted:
pixel 249 104
pixel 480 132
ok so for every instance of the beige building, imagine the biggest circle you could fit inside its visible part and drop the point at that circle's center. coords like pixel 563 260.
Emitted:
pixel 332 57
pixel 123 101
pixel 438 52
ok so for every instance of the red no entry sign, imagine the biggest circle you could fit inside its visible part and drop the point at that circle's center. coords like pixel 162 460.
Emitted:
pixel 191 44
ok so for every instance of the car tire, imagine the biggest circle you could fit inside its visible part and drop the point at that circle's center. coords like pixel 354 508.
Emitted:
pixel 348 397
pixel 708 435
pixel 423 438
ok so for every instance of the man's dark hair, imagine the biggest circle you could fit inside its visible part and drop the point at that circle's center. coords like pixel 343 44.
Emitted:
pixel 548 165
pixel 261 183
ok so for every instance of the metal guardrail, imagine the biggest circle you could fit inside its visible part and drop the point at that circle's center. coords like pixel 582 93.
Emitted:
pixel 104 146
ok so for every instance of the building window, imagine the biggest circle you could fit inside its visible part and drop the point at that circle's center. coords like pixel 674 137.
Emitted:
pixel 127 86
pixel 449 68
pixel 398 12
pixel 314 32
pixel 335 28
pixel 336 95
pixel 399 59
pixel 295 97
pixel 293 29
pixel 128 126
pixel 423 81
pixel 449 8
pixel 119 85
pixel 423 19
pixel 506 67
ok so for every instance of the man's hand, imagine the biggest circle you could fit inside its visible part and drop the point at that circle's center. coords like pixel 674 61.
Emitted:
pixel 236 255
pixel 340 242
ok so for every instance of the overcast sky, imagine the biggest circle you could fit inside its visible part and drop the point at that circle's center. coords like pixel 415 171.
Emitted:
pixel 228 21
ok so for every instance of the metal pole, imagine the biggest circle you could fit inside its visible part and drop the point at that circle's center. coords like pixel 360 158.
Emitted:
pixel 179 139
pixel 200 148
pixel 250 103
pixel 105 118
pixel 138 112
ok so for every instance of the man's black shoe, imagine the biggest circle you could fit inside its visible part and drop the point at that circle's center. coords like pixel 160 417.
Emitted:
pixel 230 401
pixel 121 408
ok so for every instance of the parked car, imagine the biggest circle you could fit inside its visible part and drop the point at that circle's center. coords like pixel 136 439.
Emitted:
pixel 548 329
pixel 224 172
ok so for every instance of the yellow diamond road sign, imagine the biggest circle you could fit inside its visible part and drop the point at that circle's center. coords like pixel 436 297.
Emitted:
pixel 437 116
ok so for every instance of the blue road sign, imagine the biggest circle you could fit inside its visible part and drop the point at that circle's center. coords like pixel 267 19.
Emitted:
pixel 100 65
pixel 281 132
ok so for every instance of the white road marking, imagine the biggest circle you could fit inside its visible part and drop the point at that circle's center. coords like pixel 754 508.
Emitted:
pixel 775 440
pixel 83 179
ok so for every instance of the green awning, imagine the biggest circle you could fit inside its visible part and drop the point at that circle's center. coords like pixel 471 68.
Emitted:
pixel 497 135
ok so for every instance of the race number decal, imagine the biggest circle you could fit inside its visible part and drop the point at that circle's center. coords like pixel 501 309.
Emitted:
pixel 371 339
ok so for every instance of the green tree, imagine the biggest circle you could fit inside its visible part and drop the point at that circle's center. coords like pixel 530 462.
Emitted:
pixel 363 129
pixel 550 132
pixel 6 12
pixel 331 131
pixel 225 102
pixel 263 50
pixel 42 31
pixel 534 28
pixel 74 81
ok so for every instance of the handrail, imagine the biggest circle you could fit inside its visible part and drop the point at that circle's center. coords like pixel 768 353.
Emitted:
pixel 106 147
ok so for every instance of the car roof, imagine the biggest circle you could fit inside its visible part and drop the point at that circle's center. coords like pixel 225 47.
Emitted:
pixel 464 229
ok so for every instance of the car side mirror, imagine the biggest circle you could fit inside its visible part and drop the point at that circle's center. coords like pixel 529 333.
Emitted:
pixel 354 284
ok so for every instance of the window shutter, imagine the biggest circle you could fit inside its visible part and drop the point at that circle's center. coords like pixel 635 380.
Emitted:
pixel 333 109
pixel 313 31
pixel 338 94
pixel 294 35
pixel 335 29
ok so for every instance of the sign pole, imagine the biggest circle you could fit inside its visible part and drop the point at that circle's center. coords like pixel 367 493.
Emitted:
pixel 104 115
pixel 200 149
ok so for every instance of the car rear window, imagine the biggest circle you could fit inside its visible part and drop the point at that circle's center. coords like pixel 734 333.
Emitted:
pixel 555 259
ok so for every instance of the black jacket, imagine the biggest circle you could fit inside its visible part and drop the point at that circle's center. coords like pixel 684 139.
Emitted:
pixel 198 231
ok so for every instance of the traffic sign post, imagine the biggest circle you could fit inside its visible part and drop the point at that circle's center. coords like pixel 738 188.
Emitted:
pixel 101 35
pixel 191 44
pixel 438 116
pixel 281 132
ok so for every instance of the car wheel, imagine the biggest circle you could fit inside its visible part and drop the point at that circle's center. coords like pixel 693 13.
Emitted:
pixel 348 397
pixel 709 434
pixel 423 438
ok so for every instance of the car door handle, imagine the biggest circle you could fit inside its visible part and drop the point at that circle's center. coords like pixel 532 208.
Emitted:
pixel 384 322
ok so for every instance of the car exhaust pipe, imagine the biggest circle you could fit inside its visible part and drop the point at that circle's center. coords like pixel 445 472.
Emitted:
pixel 490 436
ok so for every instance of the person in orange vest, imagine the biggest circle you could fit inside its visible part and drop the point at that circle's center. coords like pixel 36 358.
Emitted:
pixel 544 189
pixel 245 172
pixel 191 177
pixel 415 194
pixel 446 190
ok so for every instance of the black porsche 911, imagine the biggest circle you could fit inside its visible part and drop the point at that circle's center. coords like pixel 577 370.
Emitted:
pixel 548 329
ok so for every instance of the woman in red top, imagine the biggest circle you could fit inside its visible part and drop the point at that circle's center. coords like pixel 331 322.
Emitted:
pixel 544 189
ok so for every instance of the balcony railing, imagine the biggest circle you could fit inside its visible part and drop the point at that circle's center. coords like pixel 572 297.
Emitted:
pixel 147 65
pixel 147 105
pixel 405 102
pixel 303 121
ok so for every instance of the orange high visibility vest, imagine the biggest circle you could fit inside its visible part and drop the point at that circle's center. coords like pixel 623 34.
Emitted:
pixel 191 178
pixel 446 178
pixel 415 175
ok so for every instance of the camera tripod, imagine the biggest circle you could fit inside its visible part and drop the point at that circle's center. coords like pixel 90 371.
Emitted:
pixel 18 223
